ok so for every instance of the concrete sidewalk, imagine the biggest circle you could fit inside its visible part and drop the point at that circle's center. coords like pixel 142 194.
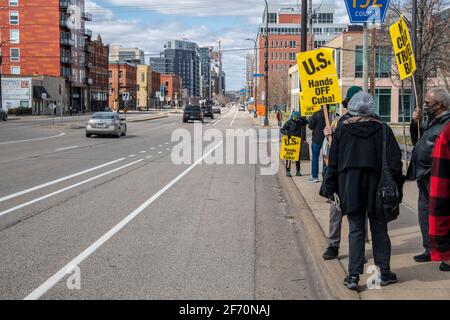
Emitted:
pixel 416 281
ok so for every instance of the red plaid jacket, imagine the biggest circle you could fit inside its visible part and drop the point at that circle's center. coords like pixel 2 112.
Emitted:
pixel 440 198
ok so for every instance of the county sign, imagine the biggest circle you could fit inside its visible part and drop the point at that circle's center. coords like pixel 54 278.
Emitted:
pixel 364 11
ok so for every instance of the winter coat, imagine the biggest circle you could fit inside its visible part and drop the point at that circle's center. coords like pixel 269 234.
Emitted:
pixel 354 167
pixel 294 128
pixel 317 124
pixel 440 198
pixel 421 161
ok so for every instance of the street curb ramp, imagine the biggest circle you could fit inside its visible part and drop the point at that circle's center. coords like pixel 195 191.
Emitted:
pixel 332 272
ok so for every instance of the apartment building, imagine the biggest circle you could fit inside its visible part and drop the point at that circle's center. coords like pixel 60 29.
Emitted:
pixel 46 42
pixel 123 85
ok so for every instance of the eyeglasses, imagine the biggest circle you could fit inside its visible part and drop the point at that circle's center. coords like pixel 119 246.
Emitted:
pixel 426 105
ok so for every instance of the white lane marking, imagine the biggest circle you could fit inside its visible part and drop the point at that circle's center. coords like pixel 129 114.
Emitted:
pixel 218 119
pixel 67 148
pixel 235 115
pixel 148 157
pixel 160 146
pixel 168 149
pixel 152 149
pixel 131 156
pixel 50 183
pixel 26 204
pixel 53 280
pixel 159 152
pixel 36 139
pixel 142 152
pixel 223 118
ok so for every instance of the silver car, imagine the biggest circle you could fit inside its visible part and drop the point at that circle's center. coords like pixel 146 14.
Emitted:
pixel 3 115
pixel 106 123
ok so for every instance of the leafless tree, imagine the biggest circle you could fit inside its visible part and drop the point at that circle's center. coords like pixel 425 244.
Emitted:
pixel 278 88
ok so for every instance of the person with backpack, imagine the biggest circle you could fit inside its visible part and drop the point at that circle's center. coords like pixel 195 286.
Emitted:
pixel 293 127
pixel 353 182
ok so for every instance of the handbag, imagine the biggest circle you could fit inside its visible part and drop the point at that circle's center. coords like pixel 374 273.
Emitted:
pixel 388 196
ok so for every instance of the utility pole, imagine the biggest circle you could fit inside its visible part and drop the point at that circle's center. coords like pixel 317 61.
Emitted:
pixel 310 14
pixel 304 154
pixel 414 44
pixel 365 53
pixel 255 79
pixel 266 66
pixel 372 62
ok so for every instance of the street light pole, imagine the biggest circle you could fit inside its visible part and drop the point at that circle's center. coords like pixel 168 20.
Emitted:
pixel 266 66
pixel 255 79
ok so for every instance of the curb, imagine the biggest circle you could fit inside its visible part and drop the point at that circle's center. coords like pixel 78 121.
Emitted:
pixel 149 118
pixel 332 271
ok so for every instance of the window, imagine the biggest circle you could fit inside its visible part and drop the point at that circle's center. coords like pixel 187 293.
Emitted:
pixel 359 61
pixel 14 36
pixel 293 44
pixel 15 55
pixel 13 3
pixel 383 101
pixel 142 77
pixel 14 17
pixel 272 17
pixel 15 70
pixel 406 110
pixel 110 74
pixel 383 62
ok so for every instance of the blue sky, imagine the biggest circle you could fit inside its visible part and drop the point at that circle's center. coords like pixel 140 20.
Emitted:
pixel 148 24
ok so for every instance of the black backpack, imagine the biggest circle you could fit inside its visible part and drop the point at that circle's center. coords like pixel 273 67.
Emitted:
pixel 388 196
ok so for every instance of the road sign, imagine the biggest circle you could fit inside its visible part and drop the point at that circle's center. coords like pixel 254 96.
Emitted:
pixel 363 11
pixel 258 75
pixel 126 96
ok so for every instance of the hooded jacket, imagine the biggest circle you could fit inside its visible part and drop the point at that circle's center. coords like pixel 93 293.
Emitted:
pixel 355 164
pixel 294 128
pixel 421 161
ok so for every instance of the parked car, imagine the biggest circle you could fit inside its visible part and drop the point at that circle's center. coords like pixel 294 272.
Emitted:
pixel 217 109
pixel 106 123
pixel 241 108
pixel 192 113
pixel 208 111
pixel 3 115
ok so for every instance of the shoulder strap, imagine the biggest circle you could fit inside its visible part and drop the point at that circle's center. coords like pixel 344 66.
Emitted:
pixel 385 165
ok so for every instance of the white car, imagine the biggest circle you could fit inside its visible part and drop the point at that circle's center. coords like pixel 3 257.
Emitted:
pixel 106 123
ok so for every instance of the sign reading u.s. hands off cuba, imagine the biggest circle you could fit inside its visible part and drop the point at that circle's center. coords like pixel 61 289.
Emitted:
pixel 319 80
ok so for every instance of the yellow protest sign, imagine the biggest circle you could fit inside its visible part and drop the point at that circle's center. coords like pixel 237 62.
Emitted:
pixel 290 148
pixel 318 78
pixel 403 49
pixel 307 111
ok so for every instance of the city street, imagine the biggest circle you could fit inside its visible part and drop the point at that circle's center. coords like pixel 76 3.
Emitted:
pixel 139 226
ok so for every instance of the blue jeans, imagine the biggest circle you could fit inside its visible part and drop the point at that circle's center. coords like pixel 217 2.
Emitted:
pixel 316 148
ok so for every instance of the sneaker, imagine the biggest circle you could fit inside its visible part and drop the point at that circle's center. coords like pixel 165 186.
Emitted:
pixel 424 257
pixel 388 278
pixel 299 174
pixel 288 174
pixel 331 253
pixel 313 180
pixel 444 267
pixel 351 282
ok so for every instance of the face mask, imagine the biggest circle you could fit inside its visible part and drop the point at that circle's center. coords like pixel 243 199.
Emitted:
pixel 431 110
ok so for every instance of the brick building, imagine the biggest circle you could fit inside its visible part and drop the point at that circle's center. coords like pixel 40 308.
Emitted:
pixel 173 85
pixel 155 87
pixel 122 81
pixel 98 67
pixel 43 41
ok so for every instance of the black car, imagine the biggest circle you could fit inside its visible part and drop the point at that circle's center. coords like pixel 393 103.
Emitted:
pixel 3 115
pixel 192 113
pixel 208 111
pixel 216 109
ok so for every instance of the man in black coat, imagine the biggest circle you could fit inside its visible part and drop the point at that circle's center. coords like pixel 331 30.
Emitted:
pixel 317 124
pixel 437 104
pixel 355 171
pixel 293 127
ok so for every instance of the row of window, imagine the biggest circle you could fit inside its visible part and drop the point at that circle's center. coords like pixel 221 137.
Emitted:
pixel 286 56
pixel 318 18
pixel 284 44
pixel 279 67
pixel 14 37
pixel 297 31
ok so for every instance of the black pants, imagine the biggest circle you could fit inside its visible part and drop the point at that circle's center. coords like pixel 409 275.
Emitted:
pixel 423 208
pixel 381 243
pixel 289 164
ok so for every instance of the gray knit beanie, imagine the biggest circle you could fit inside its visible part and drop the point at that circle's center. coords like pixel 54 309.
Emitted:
pixel 362 104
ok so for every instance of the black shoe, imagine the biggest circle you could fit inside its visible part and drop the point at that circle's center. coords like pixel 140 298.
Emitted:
pixel 331 253
pixel 424 257
pixel 388 278
pixel 444 267
pixel 351 282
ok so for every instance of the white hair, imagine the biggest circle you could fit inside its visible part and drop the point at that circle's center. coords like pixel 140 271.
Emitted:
pixel 441 95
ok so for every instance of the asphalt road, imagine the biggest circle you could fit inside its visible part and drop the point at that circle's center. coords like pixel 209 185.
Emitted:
pixel 138 226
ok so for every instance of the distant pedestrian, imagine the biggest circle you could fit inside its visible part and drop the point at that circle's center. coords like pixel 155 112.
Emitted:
pixel 437 104
pixel 353 179
pixel 317 125
pixel 293 127
pixel 279 118
pixel 440 201
pixel 335 222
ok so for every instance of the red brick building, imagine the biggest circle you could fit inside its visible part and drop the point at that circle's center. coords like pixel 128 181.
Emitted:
pixel 122 80
pixel 43 41
pixel 155 87
pixel 98 74
pixel 173 86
